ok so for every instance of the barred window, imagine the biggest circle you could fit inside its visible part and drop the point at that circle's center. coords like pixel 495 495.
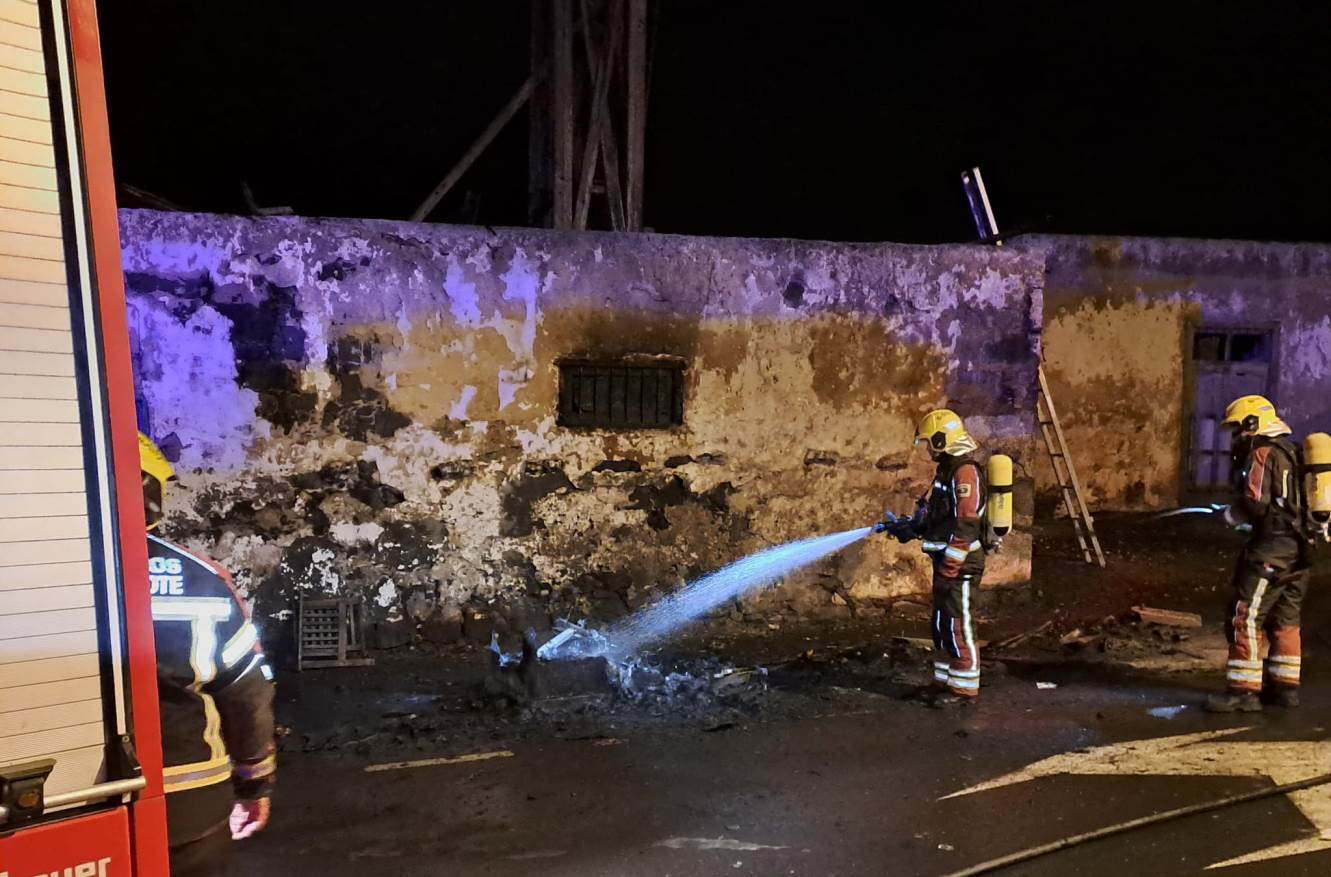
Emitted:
pixel 632 394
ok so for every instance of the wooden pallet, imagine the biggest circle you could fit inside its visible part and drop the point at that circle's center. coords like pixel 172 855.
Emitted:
pixel 330 633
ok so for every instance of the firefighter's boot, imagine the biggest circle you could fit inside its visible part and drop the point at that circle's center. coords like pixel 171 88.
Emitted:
pixel 944 700
pixel 1285 696
pixel 1233 702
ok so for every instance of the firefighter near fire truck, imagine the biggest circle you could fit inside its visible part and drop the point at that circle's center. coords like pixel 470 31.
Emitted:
pixel 1283 499
pixel 962 518
pixel 216 695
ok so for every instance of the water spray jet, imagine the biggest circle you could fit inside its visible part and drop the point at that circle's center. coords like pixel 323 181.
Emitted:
pixel 621 640
pixel 1213 509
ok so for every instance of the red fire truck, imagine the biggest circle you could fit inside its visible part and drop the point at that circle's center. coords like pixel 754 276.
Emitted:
pixel 80 750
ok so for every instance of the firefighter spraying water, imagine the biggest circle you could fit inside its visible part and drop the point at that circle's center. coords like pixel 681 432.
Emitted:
pixel 962 518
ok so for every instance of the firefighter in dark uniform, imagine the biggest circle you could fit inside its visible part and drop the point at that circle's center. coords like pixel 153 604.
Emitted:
pixel 950 521
pixel 1273 569
pixel 216 694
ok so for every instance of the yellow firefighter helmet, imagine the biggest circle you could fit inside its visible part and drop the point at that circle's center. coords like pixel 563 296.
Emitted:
pixel 156 471
pixel 1254 415
pixel 943 430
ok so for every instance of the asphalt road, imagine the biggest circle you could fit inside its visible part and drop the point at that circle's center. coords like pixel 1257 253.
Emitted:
pixel 834 794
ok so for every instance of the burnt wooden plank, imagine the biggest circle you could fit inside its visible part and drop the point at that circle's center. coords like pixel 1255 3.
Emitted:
pixel 665 389
pixel 677 401
pixel 638 413
pixel 587 400
pixel 602 415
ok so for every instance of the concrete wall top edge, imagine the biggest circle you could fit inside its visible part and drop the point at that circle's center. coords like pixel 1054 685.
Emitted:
pixel 143 220
pixel 1181 256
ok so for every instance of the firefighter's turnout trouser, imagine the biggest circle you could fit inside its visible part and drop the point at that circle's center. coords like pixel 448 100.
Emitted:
pixel 956 657
pixel 1264 610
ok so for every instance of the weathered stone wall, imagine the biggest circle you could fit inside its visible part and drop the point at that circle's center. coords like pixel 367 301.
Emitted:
pixel 371 406
pixel 1117 318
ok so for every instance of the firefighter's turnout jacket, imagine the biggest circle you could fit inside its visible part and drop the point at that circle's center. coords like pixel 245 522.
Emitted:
pixel 1269 500
pixel 953 531
pixel 1271 576
pixel 215 689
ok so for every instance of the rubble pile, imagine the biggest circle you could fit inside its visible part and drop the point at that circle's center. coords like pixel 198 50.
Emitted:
pixel 1142 637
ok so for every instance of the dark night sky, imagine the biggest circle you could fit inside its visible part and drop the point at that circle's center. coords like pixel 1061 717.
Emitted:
pixel 827 120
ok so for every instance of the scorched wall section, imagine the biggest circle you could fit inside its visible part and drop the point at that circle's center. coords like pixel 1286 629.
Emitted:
pixel 370 407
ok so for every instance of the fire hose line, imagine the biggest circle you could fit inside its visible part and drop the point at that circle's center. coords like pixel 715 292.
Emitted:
pixel 1132 825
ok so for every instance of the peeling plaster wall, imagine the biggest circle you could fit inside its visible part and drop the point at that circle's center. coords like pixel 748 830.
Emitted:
pixel 1117 317
pixel 369 407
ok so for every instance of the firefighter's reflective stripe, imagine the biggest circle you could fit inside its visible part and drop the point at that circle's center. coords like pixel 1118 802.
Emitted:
pixel 255 771
pixel 1283 674
pixel 960 554
pixel 212 729
pixel 240 645
pixel 1244 668
pixel 966 624
pixel 194 776
pixel 1244 673
pixel 941 671
pixel 1284 668
pixel 177 771
pixel 203 614
pixel 932 547
pixel 964 673
pixel 1250 626
pixel 256 661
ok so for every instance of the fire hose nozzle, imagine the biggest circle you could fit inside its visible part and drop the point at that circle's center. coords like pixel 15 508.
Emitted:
pixel 901 529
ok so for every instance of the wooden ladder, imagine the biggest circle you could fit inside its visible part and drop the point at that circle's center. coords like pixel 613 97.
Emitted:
pixel 1066 475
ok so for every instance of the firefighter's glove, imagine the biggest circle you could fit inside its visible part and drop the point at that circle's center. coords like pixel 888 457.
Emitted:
pixel 901 529
pixel 1234 519
pixel 249 817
